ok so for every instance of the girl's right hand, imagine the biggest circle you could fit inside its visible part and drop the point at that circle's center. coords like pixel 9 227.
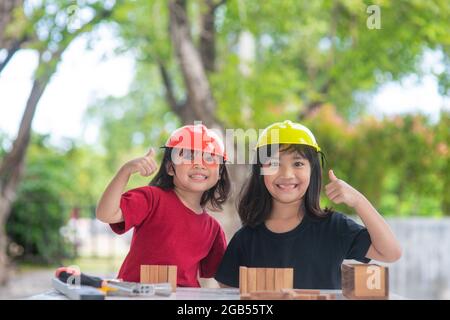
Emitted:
pixel 145 165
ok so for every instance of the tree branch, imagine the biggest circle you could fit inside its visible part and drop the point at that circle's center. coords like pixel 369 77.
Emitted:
pixel 170 96
pixel 10 53
pixel 208 34
pixel 200 102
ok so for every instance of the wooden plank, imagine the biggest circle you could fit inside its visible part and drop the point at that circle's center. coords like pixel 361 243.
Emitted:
pixel 245 296
pixel 162 273
pixel 288 278
pixel 153 275
pixel 172 277
pixel 265 295
pixel 243 280
pixel 251 279
pixel 279 278
pixel 145 274
pixel 260 279
pixel 270 279
pixel 302 291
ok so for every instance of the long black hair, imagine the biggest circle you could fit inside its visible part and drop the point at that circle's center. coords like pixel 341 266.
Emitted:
pixel 214 197
pixel 255 204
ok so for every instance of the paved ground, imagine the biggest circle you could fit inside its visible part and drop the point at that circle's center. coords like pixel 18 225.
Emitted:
pixel 27 283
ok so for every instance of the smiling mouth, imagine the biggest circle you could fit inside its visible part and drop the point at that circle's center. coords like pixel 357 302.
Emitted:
pixel 198 177
pixel 286 187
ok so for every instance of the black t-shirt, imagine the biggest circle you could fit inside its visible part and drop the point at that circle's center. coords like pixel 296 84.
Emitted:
pixel 315 249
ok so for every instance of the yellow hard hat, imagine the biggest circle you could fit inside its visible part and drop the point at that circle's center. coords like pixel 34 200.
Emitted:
pixel 287 132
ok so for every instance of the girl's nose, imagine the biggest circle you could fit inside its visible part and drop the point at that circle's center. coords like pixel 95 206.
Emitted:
pixel 198 161
pixel 199 166
pixel 286 172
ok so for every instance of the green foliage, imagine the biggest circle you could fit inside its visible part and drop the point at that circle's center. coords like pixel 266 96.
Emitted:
pixel 55 182
pixel 132 124
pixel 327 46
pixel 305 52
pixel 400 164
pixel 40 209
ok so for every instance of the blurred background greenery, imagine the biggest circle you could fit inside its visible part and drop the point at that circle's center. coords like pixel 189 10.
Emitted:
pixel 230 64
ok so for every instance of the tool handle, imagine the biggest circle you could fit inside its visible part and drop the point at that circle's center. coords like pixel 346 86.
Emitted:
pixel 64 274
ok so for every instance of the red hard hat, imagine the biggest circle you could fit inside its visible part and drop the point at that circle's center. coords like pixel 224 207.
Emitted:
pixel 197 137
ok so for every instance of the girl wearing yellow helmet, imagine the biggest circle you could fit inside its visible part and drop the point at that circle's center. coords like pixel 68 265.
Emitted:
pixel 169 217
pixel 284 225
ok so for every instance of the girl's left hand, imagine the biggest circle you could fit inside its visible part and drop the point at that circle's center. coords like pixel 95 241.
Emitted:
pixel 339 191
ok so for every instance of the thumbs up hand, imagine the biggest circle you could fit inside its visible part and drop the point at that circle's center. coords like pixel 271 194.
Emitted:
pixel 145 165
pixel 339 191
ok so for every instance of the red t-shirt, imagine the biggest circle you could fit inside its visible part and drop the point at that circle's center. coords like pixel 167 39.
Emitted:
pixel 166 232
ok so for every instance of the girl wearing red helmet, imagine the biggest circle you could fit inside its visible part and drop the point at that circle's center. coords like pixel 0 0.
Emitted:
pixel 169 217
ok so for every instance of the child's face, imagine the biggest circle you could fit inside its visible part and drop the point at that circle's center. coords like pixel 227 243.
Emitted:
pixel 287 176
pixel 194 171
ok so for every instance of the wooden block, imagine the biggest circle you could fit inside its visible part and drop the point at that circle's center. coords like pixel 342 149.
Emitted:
pixel 304 297
pixel 260 279
pixel 162 273
pixel 308 294
pixel 251 279
pixel 172 277
pixel 267 295
pixel 270 279
pixel 300 294
pixel 265 279
pixel 243 280
pixel 153 275
pixel 145 273
pixel 159 274
pixel 327 296
pixel 149 273
pixel 301 291
pixel 279 278
pixel 288 278
pixel 245 296
pixel 365 281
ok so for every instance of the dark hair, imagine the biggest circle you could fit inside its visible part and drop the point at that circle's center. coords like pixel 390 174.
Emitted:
pixel 215 196
pixel 255 204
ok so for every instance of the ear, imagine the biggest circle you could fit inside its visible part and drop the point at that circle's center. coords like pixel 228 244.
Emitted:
pixel 169 169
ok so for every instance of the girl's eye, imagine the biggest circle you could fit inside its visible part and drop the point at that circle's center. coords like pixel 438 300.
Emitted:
pixel 208 157
pixel 298 164
pixel 187 154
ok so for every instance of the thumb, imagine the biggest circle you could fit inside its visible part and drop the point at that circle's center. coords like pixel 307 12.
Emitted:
pixel 150 153
pixel 332 176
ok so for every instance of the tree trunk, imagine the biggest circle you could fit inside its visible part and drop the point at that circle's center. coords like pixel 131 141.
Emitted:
pixel 11 170
pixel 11 45
pixel 11 166
pixel 200 104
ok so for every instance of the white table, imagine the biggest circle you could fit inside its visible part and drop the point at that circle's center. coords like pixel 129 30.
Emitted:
pixel 190 294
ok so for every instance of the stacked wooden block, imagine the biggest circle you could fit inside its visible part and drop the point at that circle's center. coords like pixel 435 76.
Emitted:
pixel 159 274
pixel 265 283
pixel 365 281
pixel 269 279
